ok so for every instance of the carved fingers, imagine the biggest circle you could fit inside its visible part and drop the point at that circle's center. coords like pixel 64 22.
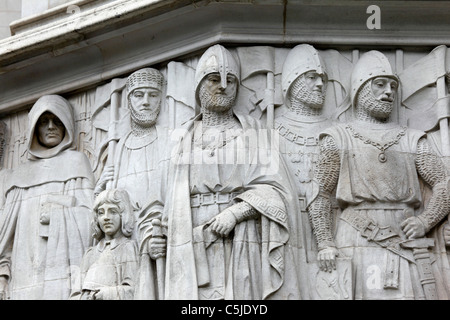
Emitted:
pixel 413 228
pixel 157 247
pixel 223 223
pixel 107 175
pixel 327 259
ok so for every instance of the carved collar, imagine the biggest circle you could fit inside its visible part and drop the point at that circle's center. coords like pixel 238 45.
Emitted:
pixel 138 142
pixel 113 243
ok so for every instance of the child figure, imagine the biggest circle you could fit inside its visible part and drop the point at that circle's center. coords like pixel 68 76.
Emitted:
pixel 109 269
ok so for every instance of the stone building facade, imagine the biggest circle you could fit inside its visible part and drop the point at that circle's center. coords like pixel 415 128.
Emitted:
pixel 86 51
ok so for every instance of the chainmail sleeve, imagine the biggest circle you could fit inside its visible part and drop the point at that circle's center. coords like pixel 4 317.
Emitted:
pixel 432 170
pixel 326 174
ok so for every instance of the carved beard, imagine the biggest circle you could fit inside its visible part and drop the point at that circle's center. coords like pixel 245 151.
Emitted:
pixel 300 92
pixel 372 106
pixel 215 103
pixel 144 119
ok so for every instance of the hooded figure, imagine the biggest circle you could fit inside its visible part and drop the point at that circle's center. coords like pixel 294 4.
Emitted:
pixel 374 165
pixel 45 227
pixel 230 234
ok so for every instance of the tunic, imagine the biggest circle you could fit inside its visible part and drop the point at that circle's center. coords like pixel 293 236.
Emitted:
pixel 141 168
pixel 257 259
pixel 386 192
pixel 112 266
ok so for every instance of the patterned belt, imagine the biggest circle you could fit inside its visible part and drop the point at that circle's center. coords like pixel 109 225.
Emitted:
pixel 206 199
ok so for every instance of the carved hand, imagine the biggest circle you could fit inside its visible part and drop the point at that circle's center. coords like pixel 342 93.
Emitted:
pixel 107 175
pixel 157 247
pixel 223 223
pixel 413 228
pixel 3 288
pixel 327 259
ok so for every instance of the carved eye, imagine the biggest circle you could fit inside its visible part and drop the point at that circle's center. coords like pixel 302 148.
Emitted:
pixel 57 122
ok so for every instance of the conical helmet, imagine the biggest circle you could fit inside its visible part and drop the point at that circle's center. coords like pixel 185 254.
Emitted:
pixel 216 59
pixel 372 64
pixel 301 59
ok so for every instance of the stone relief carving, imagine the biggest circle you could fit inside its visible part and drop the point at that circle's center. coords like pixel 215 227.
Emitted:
pixel 46 215
pixel 244 173
pixel 375 166
pixel 109 270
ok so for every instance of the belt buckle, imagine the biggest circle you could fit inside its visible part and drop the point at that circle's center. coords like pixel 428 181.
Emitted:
pixel 222 198
pixel 195 201
pixel 207 199
pixel 372 229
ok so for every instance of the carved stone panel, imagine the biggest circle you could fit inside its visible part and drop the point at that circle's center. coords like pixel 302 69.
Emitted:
pixel 242 170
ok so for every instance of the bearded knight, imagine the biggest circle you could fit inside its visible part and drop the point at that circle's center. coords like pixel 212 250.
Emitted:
pixel 140 166
pixel 304 81
pixel 231 233
pixel 374 165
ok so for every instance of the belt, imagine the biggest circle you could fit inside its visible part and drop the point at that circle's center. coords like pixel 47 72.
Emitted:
pixel 206 199
pixel 383 236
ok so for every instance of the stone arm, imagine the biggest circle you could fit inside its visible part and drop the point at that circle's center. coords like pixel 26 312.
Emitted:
pixel 225 221
pixel 326 174
pixel 432 170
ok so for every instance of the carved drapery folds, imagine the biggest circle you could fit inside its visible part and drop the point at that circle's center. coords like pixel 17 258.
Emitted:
pixel 249 172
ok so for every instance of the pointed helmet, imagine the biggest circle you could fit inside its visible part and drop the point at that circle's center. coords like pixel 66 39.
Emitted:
pixel 371 65
pixel 216 59
pixel 301 59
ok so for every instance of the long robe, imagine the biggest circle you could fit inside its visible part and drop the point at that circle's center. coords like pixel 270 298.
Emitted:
pixel 111 266
pixel 141 168
pixel 387 193
pixel 257 260
pixel 299 136
pixel 40 259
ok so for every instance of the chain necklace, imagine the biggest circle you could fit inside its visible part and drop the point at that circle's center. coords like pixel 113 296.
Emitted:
pixel 221 143
pixel 382 156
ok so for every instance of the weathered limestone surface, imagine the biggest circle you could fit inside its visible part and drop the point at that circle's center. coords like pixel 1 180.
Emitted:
pixel 205 150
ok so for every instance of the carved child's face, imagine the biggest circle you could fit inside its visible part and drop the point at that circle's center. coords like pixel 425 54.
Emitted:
pixel 50 130
pixel 109 219
pixel 214 96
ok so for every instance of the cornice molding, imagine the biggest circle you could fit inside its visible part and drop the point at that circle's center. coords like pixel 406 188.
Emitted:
pixel 73 52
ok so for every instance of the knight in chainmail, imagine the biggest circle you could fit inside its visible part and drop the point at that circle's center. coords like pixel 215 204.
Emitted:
pixel 230 233
pixel 374 166
pixel 304 82
pixel 141 166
